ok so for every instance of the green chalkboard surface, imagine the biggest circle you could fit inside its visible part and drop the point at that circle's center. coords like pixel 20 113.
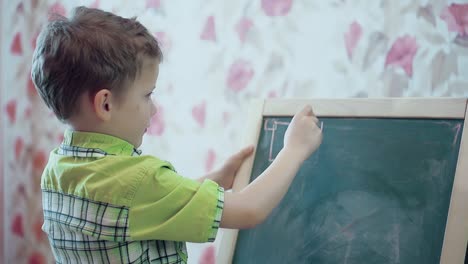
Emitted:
pixel 376 191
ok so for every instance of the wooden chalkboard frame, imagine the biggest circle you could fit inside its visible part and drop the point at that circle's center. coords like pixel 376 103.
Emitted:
pixel 456 231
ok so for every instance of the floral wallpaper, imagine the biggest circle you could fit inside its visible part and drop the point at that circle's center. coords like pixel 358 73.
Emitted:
pixel 218 56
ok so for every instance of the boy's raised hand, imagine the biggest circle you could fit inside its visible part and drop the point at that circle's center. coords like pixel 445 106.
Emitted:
pixel 303 135
pixel 252 205
pixel 302 138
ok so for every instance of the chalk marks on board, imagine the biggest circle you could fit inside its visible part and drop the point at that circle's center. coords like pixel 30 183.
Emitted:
pixel 272 125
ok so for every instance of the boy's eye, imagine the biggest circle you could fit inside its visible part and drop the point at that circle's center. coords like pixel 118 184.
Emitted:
pixel 149 95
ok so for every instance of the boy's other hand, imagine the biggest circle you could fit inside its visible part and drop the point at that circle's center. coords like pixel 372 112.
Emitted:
pixel 303 135
pixel 225 176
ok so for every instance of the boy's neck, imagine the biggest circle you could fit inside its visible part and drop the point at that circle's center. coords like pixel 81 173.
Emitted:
pixel 86 123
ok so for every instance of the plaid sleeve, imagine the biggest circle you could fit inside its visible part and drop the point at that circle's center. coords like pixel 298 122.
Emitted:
pixel 218 214
pixel 168 206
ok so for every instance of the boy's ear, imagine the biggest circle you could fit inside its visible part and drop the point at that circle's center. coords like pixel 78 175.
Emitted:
pixel 103 104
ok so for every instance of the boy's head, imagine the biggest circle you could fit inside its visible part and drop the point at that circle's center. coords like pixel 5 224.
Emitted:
pixel 92 68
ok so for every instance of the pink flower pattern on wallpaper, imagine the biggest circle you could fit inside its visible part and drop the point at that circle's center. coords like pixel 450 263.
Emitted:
pixel 352 37
pixel 164 41
pixel 39 161
pixel 276 7
pixel 209 31
pixel 20 8
pixel 153 4
pixel 95 4
pixel 16 46
pixel 402 53
pixel 11 111
pixel 19 146
pixel 239 75
pixel 37 230
pixel 208 256
pixel 17 226
pixel 243 27
pixel 199 113
pixel 34 3
pixel 456 16
pixel 56 9
pixel 37 258
pixel 28 113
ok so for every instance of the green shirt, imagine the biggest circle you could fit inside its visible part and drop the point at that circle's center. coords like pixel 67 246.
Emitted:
pixel 104 202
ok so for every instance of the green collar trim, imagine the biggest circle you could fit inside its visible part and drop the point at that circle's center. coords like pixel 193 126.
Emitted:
pixel 107 143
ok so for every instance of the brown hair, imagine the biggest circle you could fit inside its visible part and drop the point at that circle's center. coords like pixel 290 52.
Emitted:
pixel 92 50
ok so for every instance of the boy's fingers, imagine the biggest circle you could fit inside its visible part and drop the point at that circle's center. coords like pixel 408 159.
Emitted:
pixel 307 111
pixel 315 119
pixel 243 153
pixel 247 151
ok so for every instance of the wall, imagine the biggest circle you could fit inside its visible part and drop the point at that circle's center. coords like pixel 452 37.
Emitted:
pixel 2 127
pixel 218 56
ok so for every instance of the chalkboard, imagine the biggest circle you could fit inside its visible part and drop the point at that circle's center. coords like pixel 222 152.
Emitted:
pixel 387 185
pixel 376 191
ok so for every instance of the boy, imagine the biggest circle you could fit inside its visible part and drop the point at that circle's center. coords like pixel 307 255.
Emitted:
pixel 103 201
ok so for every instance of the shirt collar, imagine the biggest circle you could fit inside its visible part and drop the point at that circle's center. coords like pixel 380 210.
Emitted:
pixel 110 145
